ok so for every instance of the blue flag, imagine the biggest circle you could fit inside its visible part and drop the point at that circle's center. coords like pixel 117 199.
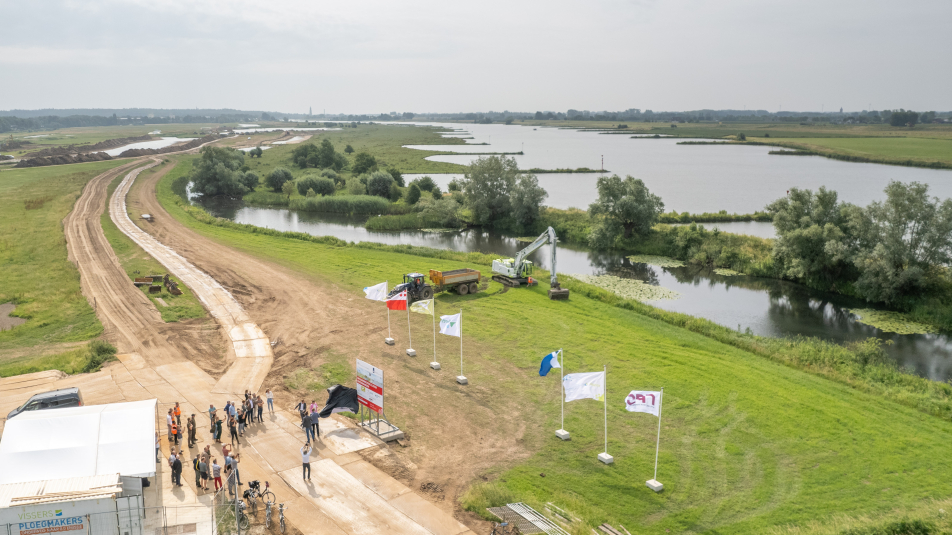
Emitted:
pixel 550 361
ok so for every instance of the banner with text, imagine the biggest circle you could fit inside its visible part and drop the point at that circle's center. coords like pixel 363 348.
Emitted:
pixel 370 386
pixel 53 525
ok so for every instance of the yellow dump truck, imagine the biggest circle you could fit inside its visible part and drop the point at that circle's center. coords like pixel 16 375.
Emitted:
pixel 464 281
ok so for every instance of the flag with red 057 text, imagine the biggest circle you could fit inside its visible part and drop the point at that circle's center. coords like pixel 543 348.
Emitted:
pixel 643 401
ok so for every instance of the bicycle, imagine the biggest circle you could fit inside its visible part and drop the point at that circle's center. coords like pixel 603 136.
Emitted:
pixel 281 516
pixel 252 494
pixel 269 500
pixel 503 529
pixel 243 521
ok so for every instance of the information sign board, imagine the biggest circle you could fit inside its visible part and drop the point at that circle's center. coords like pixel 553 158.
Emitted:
pixel 370 386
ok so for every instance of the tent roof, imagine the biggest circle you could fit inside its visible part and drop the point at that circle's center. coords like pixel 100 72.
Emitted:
pixel 116 438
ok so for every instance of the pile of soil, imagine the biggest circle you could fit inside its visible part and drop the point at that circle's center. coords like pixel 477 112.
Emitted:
pixel 131 153
pixel 16 145
pixel 5 157
pixel 64 159
pixel 76 149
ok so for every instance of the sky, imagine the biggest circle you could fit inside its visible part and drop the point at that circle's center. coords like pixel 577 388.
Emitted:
pixel 450 56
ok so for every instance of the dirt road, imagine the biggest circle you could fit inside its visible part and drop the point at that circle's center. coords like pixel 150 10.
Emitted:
pixel 456 433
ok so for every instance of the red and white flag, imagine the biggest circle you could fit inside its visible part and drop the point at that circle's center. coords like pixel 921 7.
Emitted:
pixel 398 302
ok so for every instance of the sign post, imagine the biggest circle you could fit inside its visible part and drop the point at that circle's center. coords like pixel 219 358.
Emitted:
pixel 370 395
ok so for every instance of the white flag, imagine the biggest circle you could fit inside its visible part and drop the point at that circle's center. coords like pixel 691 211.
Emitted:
pixel 584 386
pixel 450 325
pixel 377 292
pixel 643 401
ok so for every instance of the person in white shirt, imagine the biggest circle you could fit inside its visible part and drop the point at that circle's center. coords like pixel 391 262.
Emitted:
pixel 270 397
pixel 168 422
pixel 306 459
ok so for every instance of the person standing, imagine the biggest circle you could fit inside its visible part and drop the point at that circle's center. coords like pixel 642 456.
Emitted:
pixel 268 394
pixel 177 471
pixel 232 426
pixel 230 476
pixel 178 414
pixel 191 431
pixel 306 425
pixel 232 410
pixel 203 469
pixel 168 422
pixel 241 422
pixel 314 407
pixel 175 432
pixel 315 425
pixel 216 473
pixel 302 407
pixel 234 466
pixel 196 465
pixel 260 404
pixel 218 426
pixel 306 460
pixel 172 457
pixel 211 416
pixel 157 458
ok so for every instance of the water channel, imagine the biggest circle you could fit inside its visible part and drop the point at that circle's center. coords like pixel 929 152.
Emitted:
pixel 765 306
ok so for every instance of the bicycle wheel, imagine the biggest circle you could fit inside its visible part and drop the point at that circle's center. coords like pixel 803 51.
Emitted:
pixel 254 506
pixel 268 497
pixel 267 516
pixel 282 524
pixel 245 521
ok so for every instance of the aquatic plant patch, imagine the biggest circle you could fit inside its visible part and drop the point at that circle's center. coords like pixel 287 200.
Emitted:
pixel 660 261
pixel 891 322
pixel 628 288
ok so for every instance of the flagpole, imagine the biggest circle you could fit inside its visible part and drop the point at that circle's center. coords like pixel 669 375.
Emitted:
pixel 605 457
pixel 658 443
pixel 461 379
pixel 410 350
pixel 435 365
pixel 389 339
pixel 562 433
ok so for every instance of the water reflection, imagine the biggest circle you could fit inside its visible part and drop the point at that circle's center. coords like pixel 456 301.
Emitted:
pixel 767 307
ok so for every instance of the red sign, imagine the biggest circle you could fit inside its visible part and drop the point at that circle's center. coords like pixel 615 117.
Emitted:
pixel 370 386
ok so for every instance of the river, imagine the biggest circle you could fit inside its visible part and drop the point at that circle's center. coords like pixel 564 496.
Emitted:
pixel 767 307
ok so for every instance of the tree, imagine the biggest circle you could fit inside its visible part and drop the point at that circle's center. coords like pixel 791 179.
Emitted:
pixel 395 192
pixel 741 137
pixel 487 184
pixel 379 184
pixel 256 152
pixel 305 184
pixel 413 194
pixel 453 185
pixel 397 176
pixel 903 118
pixel 526 200
pixel 814 243
pixel 907 238
pixel 277 177
pixel 324 186
pixel 425 183
pixel 443 212
pixel 332 175
pixel 364 163
pixel 437 194
pixel 250 180
pixel 310 193
pixel 625 208
pixel 218 172
pixel 348 149
pixel 288 188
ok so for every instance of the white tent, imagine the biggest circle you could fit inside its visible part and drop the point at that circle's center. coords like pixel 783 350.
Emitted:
pixel 80 442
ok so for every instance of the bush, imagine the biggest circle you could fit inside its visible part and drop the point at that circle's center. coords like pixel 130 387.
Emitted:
pixel 425 183
pixel 250 180
pixel 218 172
pixel 320 186
pixel 395 192
pixel 337 204
pixel 437 194
pixel 277 177
pixel 100 352
pixel 397 176
pixel 332 175
pixel 348 149
pixel 901 527
pixel 364 163
pixel 413 194
pixel 454 185
pixel 356 187
pixel 379 184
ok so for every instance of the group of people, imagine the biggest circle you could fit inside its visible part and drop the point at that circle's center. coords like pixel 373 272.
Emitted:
pixel 310 421
pixel 236 417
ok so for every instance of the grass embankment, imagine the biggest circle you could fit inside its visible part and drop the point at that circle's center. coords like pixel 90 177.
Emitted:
pixel 747 443
pixel 914 152
pixel 137 263
pixel 85 359
pixel 36 273
pixel 90 135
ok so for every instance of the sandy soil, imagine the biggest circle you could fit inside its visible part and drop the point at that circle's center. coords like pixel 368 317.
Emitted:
pixel 457 433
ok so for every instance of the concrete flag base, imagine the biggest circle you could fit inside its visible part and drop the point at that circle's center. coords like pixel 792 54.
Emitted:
pixel 606 458
pixel 563 434
pixel 388 341
pixel 411 352
pixel 461 379
pixel 435 365
pixel 654 485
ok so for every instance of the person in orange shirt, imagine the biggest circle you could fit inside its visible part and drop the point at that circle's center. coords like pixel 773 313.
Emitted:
pixel 178 413
pixel 175 432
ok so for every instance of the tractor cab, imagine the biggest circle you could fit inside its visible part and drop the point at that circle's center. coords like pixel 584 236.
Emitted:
pixel 413 279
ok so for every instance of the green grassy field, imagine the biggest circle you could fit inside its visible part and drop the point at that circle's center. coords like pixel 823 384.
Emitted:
pixel 95 134
pixel 891 149
pixel 747 444
pixel 34 270
pixel 137 263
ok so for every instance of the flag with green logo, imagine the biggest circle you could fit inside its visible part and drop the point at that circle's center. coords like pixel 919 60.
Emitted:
pixel 451 325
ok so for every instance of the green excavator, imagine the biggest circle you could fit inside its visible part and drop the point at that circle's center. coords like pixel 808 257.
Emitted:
pixel 515 272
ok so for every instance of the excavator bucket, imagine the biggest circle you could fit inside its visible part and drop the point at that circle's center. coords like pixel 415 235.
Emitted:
pixel 556 292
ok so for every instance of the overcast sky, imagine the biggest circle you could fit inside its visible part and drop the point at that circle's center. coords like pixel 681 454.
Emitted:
pixel 446 56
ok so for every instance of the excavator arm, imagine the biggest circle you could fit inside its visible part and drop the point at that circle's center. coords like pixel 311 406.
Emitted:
pixel 518 264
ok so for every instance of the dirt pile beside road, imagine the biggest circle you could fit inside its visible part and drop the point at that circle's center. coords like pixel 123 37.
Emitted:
pixel 132 153
pixel 84 149
pixel 64 159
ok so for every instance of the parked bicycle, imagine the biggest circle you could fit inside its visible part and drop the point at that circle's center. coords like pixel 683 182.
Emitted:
pixel 254 492
pixel 243 519
pixel 281 516
pixel 269 500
